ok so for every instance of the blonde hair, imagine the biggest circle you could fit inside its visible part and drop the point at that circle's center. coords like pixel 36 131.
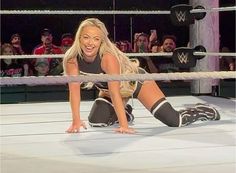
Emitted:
pixel 5 46
pixel 126 66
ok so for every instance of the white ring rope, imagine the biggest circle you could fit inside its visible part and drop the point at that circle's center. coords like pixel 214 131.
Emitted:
pixel 33 80
pixel 73 12
pixel 221 54
pixel 105 12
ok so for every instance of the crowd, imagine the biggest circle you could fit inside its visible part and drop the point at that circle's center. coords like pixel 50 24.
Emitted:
pixel 34 66
pixel 142 43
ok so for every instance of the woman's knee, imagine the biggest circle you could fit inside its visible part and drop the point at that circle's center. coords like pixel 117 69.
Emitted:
pixel 149 94
pixel 163 111
pixel 102 113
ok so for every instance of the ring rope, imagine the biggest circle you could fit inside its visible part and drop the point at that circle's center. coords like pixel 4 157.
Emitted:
pixel 105 12
pixel 232 54
pixel 222 54
pixel 33 80
pixel 72 12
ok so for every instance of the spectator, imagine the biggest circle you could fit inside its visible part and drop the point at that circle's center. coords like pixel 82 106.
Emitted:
pixel 41 67
pixel 10 67
pixel 166 64
pixel 169 43
pixel 227 63
pixel 154 44
pixel 124 46
pixel 141 45
pixel 155 47
pixel 143 40
pixel 47 47
pixel 16 43
pixel 66 42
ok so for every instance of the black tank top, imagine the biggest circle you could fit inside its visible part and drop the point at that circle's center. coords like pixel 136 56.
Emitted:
pixel 94 67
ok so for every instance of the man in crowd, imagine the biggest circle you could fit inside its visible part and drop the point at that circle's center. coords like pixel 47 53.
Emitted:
pixel 66 42
pixel 47 47
pixel 168 45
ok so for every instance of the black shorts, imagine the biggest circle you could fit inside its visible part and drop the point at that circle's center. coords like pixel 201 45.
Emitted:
pixel 103 113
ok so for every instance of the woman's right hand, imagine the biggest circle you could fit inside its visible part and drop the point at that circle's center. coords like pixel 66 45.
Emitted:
pixel 125 130
pixel 75 127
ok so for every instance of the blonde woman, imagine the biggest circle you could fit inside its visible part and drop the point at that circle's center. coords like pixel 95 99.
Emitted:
pixel 93 53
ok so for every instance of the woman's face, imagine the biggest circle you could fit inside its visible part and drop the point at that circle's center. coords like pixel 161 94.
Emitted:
pixel 142 43
pixel 7 51
pixel 90 40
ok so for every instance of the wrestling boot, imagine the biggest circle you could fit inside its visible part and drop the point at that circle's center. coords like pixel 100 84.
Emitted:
pixel 200 112
pixel 129 115
pixel 208 111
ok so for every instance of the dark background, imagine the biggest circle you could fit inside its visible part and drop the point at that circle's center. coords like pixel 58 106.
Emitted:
pixel 29 26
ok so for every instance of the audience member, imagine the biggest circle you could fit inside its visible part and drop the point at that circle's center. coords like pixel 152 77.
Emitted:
pixel 166 64
pixel 41 67
pixel 154 43
pixel 142 45
pixel 16 43
pixel 227 63
pixel 10 67
pixel 47 47
pixel 155 47
pixel 146 44
pixel 169 43
pixel 124 46
pixel 141 42
pixel 66 42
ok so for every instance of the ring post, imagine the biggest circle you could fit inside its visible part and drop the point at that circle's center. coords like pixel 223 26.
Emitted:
pixel 205 32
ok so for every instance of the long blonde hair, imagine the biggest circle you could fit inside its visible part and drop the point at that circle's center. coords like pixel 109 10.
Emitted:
pixel 126 66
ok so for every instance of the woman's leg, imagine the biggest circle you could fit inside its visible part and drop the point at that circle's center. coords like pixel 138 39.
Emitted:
pixel 103 114
pixel 153 99
pixel 149 94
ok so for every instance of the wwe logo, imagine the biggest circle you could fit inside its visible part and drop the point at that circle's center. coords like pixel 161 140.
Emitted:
pixel 183 58
pixel 180 16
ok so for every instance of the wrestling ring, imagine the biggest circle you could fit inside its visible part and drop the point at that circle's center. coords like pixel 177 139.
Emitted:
pixel 33 137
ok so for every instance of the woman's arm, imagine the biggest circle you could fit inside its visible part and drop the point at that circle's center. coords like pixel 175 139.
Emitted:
pixel 110 65
pixel 74 96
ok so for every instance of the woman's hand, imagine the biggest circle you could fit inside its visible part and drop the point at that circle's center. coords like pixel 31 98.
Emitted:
pixel 75 127
pixel 126 130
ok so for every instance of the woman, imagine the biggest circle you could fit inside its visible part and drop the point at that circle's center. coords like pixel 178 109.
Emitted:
pixel 92 52
pixel 10 67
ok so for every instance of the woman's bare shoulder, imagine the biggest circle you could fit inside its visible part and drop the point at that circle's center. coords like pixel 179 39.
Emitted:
pixel 109 57
pixel 109 62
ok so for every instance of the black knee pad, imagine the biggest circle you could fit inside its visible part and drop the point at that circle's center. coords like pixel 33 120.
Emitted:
pixel 163 111
pixel 102 113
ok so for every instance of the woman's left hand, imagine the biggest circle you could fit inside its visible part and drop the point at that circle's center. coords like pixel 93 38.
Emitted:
pixel 125 130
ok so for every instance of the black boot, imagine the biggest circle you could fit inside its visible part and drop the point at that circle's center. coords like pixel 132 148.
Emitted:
pixel 129 115
pixel 210 112
pixel 201 112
